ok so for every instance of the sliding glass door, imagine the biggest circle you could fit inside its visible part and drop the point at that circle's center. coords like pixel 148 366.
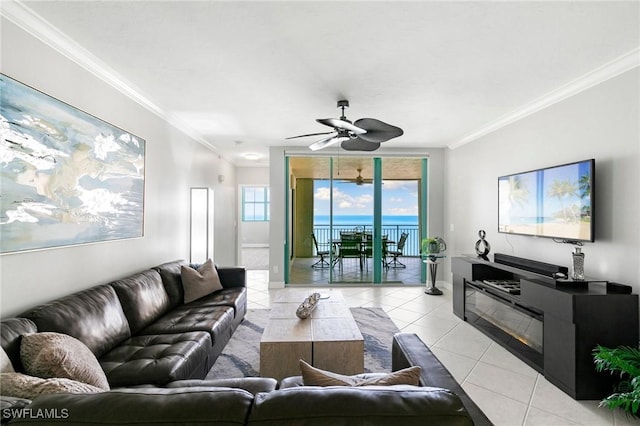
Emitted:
pixel 355 220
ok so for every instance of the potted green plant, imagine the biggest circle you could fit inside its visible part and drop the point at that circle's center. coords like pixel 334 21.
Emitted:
pixel 623 361
pixel 433 245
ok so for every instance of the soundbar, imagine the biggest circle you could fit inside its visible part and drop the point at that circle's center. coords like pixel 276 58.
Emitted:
pixel 546 269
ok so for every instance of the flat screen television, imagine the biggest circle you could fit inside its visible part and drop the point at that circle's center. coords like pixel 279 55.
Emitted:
pixel 554 202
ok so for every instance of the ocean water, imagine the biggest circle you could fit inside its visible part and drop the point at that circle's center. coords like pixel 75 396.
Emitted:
pixel 362 220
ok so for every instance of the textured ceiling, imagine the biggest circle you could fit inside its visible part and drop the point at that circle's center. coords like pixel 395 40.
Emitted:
pixel 245 75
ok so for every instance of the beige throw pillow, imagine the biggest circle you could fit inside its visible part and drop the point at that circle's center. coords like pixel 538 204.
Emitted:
pixel 56 355
pixel 312 376
pixel 20 385
pixel 5 362
pixel 198 283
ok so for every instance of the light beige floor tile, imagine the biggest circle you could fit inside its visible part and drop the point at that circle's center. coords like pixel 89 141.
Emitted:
pixel 254 305
pixel 465 340
pixel 431 331
pixel 459 366
pixel 436 317
pixel 404 315
pixel 537 417
pixel 549 398
pixel 500 357
pixel 502 411
pixel 513 385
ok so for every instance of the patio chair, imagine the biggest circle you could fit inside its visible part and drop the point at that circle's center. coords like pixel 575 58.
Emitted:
pixel 350 247
pixel 322 262
pixel 395 263
pixel 367 251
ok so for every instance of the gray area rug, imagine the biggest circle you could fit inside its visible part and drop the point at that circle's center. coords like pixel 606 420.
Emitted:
pixel 241 356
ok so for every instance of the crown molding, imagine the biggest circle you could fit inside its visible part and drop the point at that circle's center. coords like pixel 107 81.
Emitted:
pixel 599 75
pixel 28 20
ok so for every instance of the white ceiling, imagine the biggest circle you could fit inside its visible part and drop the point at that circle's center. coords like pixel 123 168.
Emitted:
pixel 242 76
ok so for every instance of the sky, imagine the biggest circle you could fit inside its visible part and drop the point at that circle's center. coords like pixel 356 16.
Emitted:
pixel 399 198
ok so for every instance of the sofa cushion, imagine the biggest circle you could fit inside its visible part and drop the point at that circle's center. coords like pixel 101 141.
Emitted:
pixel 172 280
pixel 215 320
pixel 157 359
pixel 313 376
pixel 150 406
pixel 340 405
pixel 93 316
pixel 29 387
pixel 11 331
pixel 143 298
pixel 199 282
pixel 235 297
pixel 50 355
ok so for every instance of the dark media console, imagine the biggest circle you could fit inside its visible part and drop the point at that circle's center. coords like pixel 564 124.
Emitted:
pixel 551 324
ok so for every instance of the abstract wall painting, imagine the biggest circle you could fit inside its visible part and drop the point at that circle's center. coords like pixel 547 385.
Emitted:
pixel 66 177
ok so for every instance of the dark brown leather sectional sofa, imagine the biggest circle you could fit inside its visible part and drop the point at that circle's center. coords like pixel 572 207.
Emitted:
pixel 155 350
pixel 138 327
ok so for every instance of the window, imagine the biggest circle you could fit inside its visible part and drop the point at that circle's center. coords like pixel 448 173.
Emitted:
pixel 255 204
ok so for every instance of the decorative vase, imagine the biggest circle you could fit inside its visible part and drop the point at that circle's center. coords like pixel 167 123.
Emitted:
pixel 434 247
pixel 578 264
pixel 306 308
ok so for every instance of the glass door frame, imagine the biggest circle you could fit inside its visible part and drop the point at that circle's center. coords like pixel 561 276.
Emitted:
pixel 377 213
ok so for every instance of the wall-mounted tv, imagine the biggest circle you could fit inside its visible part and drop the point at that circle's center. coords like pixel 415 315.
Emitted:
pixel 554 202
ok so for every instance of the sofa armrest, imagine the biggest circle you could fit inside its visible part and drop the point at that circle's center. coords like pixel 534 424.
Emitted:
pixel 232 276
pixel 408 350
pixel 370 405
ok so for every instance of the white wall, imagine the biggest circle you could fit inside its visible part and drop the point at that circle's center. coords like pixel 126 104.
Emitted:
pixel 600 123
pixel 174 163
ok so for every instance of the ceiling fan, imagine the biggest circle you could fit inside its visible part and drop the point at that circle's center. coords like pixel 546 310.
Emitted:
pixel 359 180
pixel 365 134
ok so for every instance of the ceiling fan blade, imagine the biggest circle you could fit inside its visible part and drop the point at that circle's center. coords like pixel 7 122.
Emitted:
pixel 327 142
pixel 336 123
pixel 359 144
pixel 310 134
pixel 377 131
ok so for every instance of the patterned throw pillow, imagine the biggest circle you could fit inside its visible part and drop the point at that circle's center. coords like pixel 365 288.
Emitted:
pixel 56 355
pixel 23 386
pixel 198 283
pixel 5 362
pixel 312 376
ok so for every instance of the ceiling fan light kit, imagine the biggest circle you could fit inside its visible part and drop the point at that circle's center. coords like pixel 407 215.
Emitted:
pixel 365 134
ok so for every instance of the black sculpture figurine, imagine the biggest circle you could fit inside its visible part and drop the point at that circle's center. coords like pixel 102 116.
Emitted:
pixel 482 246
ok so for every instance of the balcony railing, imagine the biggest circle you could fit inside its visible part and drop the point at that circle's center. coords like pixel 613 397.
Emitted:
pixel 393 232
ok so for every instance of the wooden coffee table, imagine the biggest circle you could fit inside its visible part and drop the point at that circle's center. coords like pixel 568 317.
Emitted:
pixel 329 339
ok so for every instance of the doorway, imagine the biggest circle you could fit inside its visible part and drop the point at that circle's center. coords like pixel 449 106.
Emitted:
pixel 377 200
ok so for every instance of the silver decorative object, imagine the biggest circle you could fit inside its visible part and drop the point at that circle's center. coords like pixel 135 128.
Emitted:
pixel 306 308
pixel 578 264
pixel 482 246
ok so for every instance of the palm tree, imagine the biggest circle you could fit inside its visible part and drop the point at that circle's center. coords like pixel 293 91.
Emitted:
pixel 518 191
pixel 562 189
pixel 584 184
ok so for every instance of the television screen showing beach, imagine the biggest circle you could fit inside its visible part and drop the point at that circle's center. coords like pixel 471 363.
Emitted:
pixel 554 202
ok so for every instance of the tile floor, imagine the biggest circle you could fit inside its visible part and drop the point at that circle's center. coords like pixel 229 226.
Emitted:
pixel 507 390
